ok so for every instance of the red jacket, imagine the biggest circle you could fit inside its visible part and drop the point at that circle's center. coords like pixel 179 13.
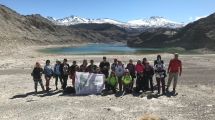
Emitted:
pixel 174 66
pixel 139 68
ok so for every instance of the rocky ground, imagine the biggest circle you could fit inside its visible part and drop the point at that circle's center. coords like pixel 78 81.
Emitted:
pixel 195 99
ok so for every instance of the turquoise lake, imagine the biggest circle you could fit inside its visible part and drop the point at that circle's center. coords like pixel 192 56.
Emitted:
pixel 101 49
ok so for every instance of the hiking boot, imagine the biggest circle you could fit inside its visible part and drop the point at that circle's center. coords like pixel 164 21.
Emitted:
pixel 43 88
pixel 114 91
pixel 173 91
pixel 47 89
pixel 167 89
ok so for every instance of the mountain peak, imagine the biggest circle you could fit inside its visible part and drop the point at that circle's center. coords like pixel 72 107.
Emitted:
pixel 156 17
pixel 154 21
pixel 51 18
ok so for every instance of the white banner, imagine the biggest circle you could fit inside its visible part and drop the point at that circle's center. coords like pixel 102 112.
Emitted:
pixel 88 83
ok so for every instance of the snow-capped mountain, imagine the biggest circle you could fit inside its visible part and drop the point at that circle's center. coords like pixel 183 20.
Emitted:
pixel 106 20
pixel 73 20
pixel 152 22
pixel 155 22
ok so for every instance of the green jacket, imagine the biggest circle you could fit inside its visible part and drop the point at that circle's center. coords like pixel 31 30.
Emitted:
pixel 112 80
pixel 127 79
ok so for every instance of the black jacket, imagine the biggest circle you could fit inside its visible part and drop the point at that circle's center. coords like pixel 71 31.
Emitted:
pixel 156 62
pixel 131 68
pixel 37 73
pixel 91 68
pixel 73 69
pixel 149 71
pixel 64 69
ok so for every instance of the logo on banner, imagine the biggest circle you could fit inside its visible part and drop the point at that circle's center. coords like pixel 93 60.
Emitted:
pixel 89 83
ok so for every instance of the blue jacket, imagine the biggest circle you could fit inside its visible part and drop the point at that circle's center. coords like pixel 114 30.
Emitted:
pixel 48 70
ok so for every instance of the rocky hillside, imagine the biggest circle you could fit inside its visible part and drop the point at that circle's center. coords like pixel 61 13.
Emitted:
pixel 197 35
pixel 18 30
pixel 154 38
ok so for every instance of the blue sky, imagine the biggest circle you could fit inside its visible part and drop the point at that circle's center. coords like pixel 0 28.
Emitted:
pixel 123 10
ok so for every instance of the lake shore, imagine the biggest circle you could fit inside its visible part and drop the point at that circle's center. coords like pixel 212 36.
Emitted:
pixel 195 99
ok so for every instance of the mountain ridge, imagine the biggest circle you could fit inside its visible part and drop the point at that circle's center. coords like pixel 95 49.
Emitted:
pixel 196 35
pixel 154 21
pixel 17 31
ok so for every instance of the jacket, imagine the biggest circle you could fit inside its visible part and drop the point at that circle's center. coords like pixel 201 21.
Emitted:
pixel 48 70
pixel 119 70
pixel 64 69
pixel 174 66
pixel 57 69
pixel 139 68
pixel 37 73
pixel 131 68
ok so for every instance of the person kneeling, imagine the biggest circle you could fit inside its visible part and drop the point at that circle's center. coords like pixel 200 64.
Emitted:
pixel 127 82
pixel 111 83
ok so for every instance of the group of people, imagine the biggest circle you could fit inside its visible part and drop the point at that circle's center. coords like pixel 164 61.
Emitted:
pixel 118 77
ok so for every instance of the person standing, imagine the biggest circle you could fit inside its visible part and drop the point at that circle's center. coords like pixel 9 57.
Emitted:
pixel 83 67
pixel 149 72
pixel 158 60
pixel 131 67
pixel 144 61
pixel 139 68
pixel 145 82
pixel 37 76
pixel 119 70
pixel 98 71
pixel 57 74
pixel 105 67
pixel 160 74
pixel 113 66
pixel 48 71
pixel 174 70
pixel 64 72
pixel 73 68
pixel 92 67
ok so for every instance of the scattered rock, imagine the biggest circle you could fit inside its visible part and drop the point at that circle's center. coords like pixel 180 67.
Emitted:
pixel 115 109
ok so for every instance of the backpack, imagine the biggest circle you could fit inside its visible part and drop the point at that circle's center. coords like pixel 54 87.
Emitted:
pixel 69 90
